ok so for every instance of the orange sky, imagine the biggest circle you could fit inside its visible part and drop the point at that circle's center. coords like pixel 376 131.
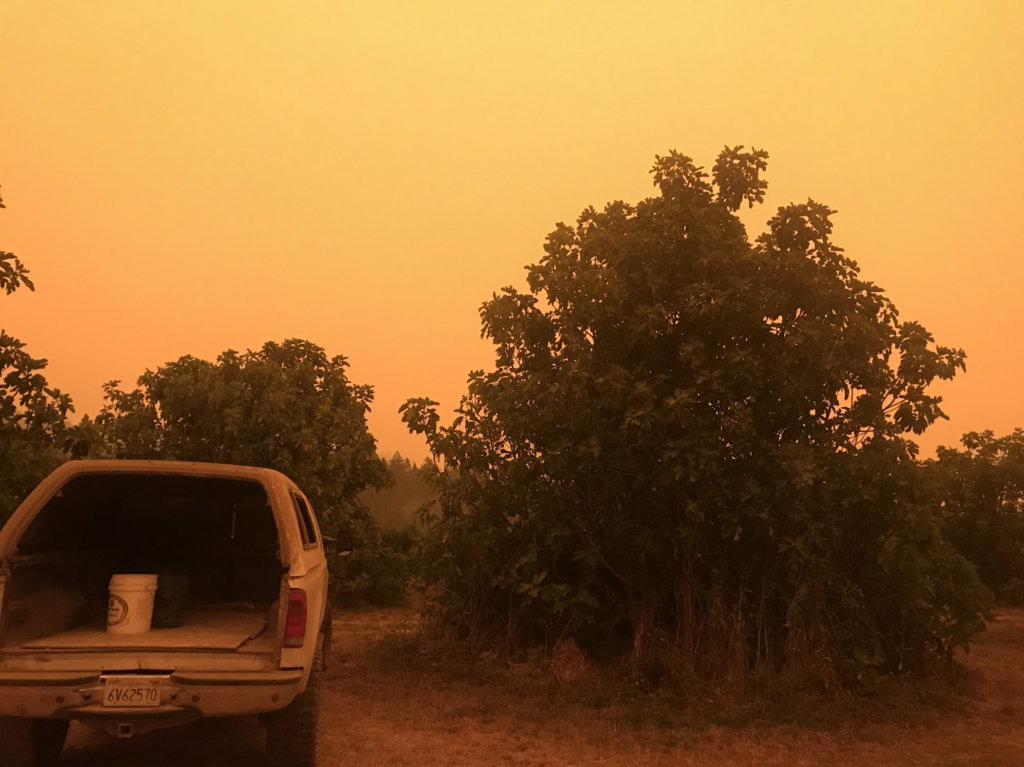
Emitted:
pixel 184 177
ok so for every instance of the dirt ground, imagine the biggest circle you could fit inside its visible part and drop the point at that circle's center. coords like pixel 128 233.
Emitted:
pixel 376 713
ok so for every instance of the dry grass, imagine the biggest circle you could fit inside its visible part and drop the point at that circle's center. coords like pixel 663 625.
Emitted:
pixel 392 699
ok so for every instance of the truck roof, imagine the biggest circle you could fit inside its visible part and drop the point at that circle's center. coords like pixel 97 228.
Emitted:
pixel 187 468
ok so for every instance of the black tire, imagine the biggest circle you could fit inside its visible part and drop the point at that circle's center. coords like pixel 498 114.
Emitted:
pixel 328 631
pixel 32 742
pixel 292 731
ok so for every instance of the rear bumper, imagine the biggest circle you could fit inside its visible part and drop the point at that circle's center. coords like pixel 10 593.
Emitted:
pixel 186 696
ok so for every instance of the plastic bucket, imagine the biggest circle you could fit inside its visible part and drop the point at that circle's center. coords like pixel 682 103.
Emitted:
pixel 171 592
pixel 130 606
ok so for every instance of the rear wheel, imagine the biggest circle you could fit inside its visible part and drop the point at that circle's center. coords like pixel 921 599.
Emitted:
pixel 328 631
pixel 32 742
pixel 292 731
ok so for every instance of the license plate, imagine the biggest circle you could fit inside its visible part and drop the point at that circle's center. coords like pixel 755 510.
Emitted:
pixel 132 693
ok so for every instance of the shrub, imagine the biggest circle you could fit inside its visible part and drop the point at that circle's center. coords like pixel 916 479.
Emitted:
pixel 377 574
pixel 982 487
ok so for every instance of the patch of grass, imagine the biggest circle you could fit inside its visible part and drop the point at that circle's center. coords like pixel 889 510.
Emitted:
pixel 1003 631
pixel 449 703
pixel 399 651
pixel 420 653
pixel 599 700
pixel 529 692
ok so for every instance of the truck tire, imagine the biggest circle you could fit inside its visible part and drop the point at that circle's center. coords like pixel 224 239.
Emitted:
pixel 32 742
pixel 292 731
pixel 328 631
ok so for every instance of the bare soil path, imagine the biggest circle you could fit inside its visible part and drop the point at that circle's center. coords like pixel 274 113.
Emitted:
pixel 374 715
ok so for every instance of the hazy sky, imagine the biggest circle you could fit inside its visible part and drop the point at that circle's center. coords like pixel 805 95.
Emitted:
pixel 185 177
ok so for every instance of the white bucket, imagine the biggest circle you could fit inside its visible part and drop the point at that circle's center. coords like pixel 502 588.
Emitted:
pixel 130 607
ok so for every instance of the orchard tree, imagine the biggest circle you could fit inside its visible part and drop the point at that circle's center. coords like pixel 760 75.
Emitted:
pixel 695 441
pixel 983 490
pixel 34 435
pixel 286 406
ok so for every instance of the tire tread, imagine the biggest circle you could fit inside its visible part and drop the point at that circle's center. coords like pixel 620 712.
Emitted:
pixel 292 731
pixel 32 742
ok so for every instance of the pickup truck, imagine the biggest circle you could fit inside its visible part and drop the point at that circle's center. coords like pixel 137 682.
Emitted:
pixel 254 631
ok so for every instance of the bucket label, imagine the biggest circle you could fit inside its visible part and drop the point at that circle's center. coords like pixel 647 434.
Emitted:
pixel 117 610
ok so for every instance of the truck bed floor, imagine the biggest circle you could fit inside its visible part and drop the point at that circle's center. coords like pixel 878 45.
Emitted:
pixel 200 630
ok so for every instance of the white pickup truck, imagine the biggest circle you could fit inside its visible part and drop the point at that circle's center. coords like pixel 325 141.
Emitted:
pixel 253 636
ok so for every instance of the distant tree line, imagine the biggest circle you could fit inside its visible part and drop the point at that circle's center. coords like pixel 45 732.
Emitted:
pixel 399 506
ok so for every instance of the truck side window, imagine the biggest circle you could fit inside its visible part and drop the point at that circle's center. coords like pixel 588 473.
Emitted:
pixel 306 525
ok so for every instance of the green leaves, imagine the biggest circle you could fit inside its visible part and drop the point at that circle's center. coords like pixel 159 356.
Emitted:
pixel 286 406
pixel 737 176
pixel 34 434
pixel 681 425
pixel 982 489
pixel 13 273
pixel 675 174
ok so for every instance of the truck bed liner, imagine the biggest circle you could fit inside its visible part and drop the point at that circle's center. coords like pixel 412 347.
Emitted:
pixel 201 630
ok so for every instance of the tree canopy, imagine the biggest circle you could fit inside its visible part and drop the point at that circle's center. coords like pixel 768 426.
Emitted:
pixel 33 416
pixel 983 491
pixel 285 406
pixel 694 439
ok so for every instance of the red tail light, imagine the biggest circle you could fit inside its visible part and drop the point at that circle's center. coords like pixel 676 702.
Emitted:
pixel 295 625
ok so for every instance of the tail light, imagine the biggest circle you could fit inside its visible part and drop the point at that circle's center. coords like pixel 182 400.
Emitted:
pixel 295 625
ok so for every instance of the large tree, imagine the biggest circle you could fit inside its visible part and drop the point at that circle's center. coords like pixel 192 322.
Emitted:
pixel 34 434
pixel 286 406
pixel 696 440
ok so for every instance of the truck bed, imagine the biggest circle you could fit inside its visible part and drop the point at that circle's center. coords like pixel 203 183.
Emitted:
pixel 200 630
